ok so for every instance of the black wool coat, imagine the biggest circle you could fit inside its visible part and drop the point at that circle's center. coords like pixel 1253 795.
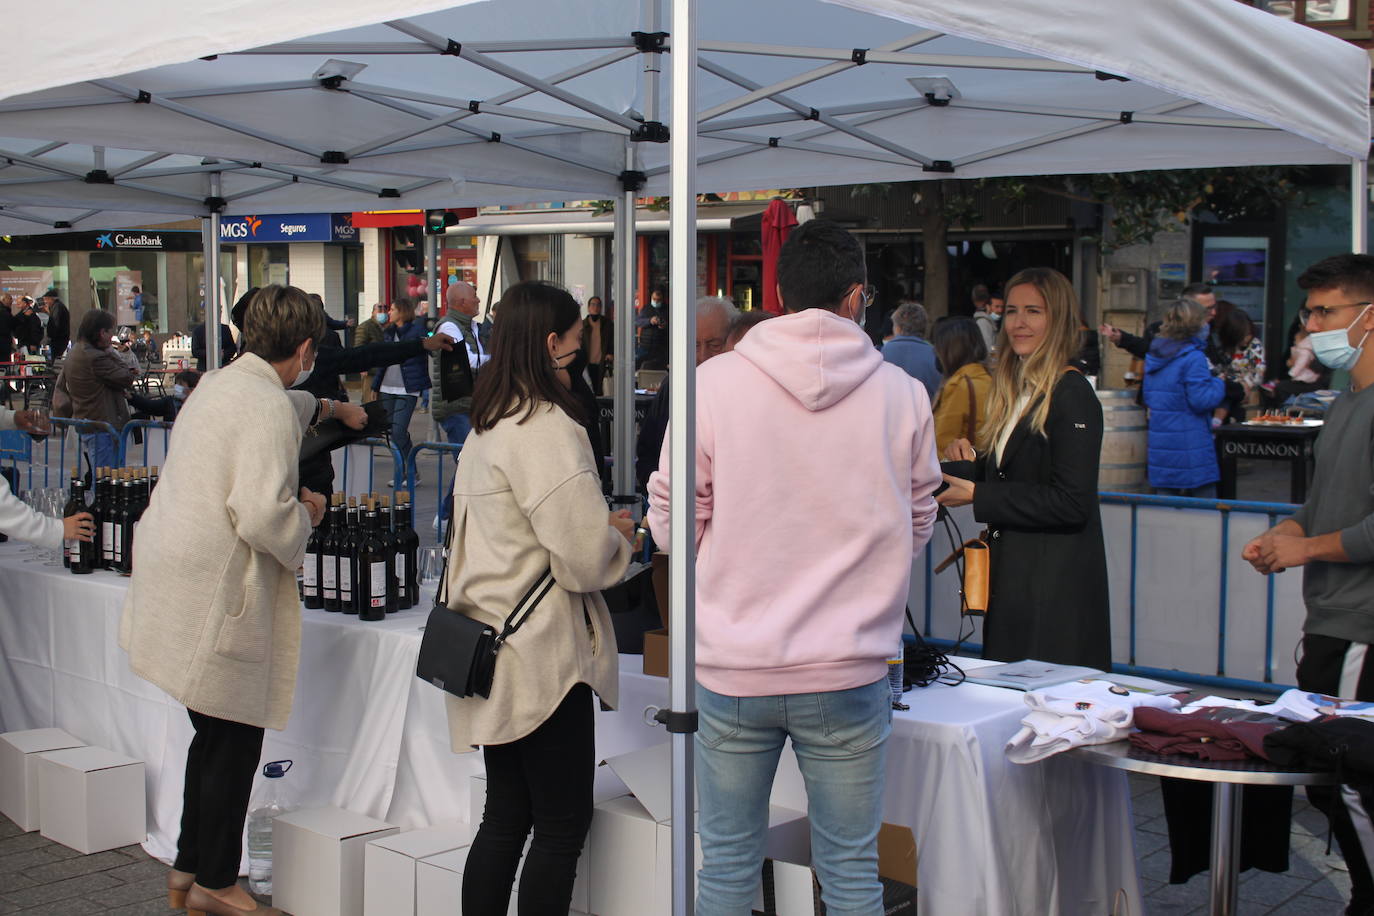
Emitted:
pixel 1048 597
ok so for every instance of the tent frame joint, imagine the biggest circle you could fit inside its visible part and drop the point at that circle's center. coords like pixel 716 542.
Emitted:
pixel 334 157
pixel 389 192
pixel 936 101
pixel 650 132
pixel 144 97
pixel 859 56
pixel 1103 76
pixel 631 180
pixel 943 166
pixel 62 224
pixel 650 42
pixel 475 106
pixel 1127 117
pixel 677 723
pixel 98 176
pixel 332 83
pixel 216 204
pixel 453 49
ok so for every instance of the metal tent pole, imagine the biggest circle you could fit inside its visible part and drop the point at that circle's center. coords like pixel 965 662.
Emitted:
pixel 1359 205
pixel 623 429
pixel 682 715
pixel 210 243
pixel 434 278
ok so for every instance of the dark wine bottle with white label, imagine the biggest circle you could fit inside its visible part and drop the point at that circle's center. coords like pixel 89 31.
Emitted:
pixel 374 568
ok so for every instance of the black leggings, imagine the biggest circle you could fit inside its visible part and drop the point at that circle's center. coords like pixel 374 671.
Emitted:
pixel 544 781
pixel 220 766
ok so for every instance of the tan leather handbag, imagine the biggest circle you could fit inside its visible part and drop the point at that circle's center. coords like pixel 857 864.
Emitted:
pixel 974 589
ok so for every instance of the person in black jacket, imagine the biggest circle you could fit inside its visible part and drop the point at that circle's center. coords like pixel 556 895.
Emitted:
pixel 28 327
pixel 1032 479
pixel 228 349
pixel 59 325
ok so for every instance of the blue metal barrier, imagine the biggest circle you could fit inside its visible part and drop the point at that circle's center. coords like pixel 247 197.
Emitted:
pixel 1226 510
pixel 440 449
pixel 398 464
pixel 63 425
pixel 126 433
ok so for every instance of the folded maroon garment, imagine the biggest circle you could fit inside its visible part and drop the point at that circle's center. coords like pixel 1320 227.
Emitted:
pixel 1211 733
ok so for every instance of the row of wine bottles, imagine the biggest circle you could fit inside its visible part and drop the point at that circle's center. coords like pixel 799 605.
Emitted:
pixel 121 496
pixel 363 558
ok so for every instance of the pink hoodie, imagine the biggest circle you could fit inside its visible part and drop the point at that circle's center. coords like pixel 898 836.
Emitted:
pixel 815 468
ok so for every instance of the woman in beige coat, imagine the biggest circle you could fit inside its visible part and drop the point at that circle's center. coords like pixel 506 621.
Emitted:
pixel 212 615
pixel 527 499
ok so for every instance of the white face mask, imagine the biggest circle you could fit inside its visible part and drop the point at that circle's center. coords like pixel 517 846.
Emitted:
pixel 303 375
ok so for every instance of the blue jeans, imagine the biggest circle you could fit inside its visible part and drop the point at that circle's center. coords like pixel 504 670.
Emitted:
pixel 456 427
pixel 401 407
pixel 840 739
pixel 102 450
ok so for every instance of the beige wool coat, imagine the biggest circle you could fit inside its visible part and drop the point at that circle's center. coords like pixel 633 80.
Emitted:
pixel 212 615
pixel 526 498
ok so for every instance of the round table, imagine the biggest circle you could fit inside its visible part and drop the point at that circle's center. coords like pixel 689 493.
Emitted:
pixel 1229 776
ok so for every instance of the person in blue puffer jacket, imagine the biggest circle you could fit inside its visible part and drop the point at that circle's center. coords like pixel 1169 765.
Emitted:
pixel 1180 392
pixel 403 383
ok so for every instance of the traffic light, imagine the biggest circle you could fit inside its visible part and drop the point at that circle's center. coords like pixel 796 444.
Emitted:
pixel 438 221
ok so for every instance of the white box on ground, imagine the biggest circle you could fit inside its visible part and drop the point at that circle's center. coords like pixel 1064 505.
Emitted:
pixel 605 786
pixel 631 839
pixel 91 799
pixel 389 866
pixel 19 770
pixel 317 860
pixel 439 884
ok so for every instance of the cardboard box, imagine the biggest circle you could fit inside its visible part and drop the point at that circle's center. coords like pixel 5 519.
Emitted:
pixel 91 799
pixel 630 843
pixel 439 884
pixel 790 887
pixel 318 856
pixel 656 641
pixel 390 864
pixel 19 770
pixel 605 786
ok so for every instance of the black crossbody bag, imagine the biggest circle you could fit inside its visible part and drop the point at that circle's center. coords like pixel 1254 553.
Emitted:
pixel 457 652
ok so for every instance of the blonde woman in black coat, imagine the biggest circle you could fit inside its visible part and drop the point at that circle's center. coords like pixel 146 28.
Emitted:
pixel 1036 486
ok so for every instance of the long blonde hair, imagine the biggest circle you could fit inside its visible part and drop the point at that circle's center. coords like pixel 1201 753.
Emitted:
pixel 1038 373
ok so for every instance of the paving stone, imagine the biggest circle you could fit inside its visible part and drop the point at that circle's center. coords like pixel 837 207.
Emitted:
pixel 1269 887
pixel 1147 843
pixel 1153 825
pixel 1179 898
pixel 148 889
pixel 1304 905
pixel 85 885
pixel 140 871
pixel 1148 805
pixel 1155 866
pixel 1335 885
pixel 147 908
pixel 15 881
pixel 9 828
pixel 135 852
pixel 23 843
pixel 81 865
pixel 21 861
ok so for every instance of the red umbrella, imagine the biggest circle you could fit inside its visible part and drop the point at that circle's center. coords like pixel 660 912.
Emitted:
pixel 778 221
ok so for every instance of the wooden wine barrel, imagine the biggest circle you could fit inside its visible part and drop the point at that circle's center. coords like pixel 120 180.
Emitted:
pixel 1123 461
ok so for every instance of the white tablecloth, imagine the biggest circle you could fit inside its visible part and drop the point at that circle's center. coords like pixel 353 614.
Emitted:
pixel 365 734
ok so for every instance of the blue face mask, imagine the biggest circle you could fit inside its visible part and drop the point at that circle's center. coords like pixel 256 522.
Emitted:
pixel 382 317
pixel 179 392
pixel 1332 348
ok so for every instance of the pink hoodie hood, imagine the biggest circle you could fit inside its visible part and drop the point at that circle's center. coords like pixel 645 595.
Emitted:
pixel 817 356
pixel 815 465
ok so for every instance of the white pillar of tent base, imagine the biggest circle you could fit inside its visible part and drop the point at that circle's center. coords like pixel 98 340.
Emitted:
pixel 623 423
pixel 682 357
pixel 1359 206
pixel 434 279
pixel 210 244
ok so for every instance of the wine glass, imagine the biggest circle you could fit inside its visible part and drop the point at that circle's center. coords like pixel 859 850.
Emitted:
pixel 53 504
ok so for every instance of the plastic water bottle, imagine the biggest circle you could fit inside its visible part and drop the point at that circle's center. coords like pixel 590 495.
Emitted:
pixel 260 828
pixel 896 671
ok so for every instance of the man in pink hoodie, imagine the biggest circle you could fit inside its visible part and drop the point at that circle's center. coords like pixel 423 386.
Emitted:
pixel 815 468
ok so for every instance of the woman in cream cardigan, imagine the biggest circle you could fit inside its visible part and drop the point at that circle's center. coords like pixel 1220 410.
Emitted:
pixel 527 498
pixel 212 615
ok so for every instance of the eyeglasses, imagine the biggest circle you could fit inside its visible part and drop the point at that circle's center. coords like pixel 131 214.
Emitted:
pixel 1326 311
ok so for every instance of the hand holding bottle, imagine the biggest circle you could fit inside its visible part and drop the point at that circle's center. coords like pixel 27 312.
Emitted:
pixel 622 522
pixel 79 526
pixel 314 502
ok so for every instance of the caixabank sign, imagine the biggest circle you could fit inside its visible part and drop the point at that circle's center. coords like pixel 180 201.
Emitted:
pixel 113 240
pixel 287 227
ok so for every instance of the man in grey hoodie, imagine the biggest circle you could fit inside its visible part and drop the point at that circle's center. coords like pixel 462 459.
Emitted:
pixel 1331 537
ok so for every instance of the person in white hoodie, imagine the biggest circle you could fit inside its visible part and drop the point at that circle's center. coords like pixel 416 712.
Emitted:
pixel 815 468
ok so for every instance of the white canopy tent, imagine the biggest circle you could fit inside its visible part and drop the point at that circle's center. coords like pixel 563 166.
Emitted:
pixel 516 100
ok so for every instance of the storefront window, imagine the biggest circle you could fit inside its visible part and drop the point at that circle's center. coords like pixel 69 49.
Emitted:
pixel 128 283
pixel 30 273
pixel 268 264
pixel 195 281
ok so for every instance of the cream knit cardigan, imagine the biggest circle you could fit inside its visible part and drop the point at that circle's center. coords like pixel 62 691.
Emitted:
pixel 527 497
pixel 212 614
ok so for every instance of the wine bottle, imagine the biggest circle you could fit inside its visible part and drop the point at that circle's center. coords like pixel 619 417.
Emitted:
pixel 312 589
pixel 373 568
pixel 124 536
pixel 393 557
pixel 409 551
pixel 73 556
pixel 348 560
pixel 105 501
pixel 329 556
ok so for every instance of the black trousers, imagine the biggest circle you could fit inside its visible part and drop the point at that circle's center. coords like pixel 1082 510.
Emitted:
pixel 544 781
pixel 220 766
pixel 1348 807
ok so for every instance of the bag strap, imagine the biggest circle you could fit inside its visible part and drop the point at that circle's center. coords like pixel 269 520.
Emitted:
pixel 543 585
pixel 972 429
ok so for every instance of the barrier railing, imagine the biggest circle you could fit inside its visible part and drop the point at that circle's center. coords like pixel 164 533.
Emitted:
pixel 364 479
pixel 424 513
pixel 128 432
pixel 1185 605
pixel 67 430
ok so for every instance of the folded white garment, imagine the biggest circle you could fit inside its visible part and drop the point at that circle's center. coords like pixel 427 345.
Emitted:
pixel 1076 714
